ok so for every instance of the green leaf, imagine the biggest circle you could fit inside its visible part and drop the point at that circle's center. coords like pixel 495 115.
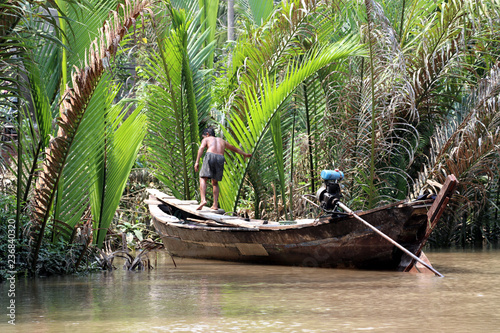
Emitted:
pixel 262 106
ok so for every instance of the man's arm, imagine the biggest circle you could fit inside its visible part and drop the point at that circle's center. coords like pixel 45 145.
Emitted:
pixel 203 145
pixel 237 150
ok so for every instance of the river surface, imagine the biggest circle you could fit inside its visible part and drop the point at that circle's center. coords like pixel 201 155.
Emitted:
pixel 214 296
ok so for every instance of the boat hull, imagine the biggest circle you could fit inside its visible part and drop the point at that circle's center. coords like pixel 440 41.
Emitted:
pixel 334 242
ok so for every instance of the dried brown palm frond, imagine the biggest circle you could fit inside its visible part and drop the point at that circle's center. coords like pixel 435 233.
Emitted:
pixel 435 54
pixel 427 73
pixel 139 262
pixel 470 149
pixel 73 107
pixel 9 17
pixel 82 234
pixel 370 135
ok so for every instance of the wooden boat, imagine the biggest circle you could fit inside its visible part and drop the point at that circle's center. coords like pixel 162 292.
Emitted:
pixel 336 240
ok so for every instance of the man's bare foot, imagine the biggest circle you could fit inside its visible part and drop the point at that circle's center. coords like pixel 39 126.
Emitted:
pixel 214 208
pixel 202 203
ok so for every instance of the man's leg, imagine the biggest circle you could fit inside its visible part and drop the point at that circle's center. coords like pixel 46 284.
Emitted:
pixel 203 191
pixel 215 185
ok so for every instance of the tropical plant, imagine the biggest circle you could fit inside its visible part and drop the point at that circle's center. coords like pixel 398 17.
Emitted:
pixel 179 101
pixel 74 158
pixel 256 66
pixel 470 150
pixel 20 23
pixel 449 63
pixel 262 106
pixel 266 51
pixel 388 91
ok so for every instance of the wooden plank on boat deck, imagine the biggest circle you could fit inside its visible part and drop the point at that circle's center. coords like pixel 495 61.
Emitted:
pixel 230 220
pixel 207 213
pixel 159 194
pixel 242 224
pixel 192 208
pixel 182 202
pixel 176 202
pixel 216 216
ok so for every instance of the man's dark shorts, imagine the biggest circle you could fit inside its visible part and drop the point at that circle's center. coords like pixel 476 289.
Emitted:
pixel 213 166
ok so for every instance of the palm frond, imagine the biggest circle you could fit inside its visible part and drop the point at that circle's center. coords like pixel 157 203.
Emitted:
pixel 370 106
pixel 261 175
pixel 208 21
pixel 123 140
pixel 270 49
pixel 277 139
pixel 469 149
pixel 88 152
pixel 167 120
pixel 178 102
pixel 434 55
pixel 311 99
pixel 262 105
pixel 255 11
pixel 83 22
pixel 75 103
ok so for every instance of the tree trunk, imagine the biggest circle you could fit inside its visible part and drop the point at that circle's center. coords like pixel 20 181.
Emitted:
pixel 230 20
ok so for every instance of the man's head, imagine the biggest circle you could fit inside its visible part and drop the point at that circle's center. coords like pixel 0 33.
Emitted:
pixel 208 131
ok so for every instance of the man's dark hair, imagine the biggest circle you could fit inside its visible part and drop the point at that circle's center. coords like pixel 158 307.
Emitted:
pixel 210 131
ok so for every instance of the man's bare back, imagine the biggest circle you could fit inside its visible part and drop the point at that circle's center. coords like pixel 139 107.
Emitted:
pixel 214 145
pixel 217 146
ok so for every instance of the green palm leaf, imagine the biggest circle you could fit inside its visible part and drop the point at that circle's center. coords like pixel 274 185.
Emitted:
pixel 86 157
pixel 270 48
pixel 123 140
pixel 208 20
pixel 261 173
pixel 262 107
pixel 312 101
pixel 255 11
pixel 178 102
pixel 277 138
pixel 75 103
pixel 24 28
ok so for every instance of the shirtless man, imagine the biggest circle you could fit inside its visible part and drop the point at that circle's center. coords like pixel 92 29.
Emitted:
pixel 213 164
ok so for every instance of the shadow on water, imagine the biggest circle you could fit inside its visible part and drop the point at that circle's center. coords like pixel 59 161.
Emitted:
pixel 212 296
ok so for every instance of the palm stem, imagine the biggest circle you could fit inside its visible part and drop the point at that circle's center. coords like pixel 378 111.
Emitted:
pixel 32 171
pixel 19 171
pixel 103 188
pixel 64 41
pixel 292 161
pixel 402 19
pixel 309 141
pixel 371 194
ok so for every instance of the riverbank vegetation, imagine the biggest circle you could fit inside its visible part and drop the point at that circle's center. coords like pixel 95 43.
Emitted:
pixel 101 99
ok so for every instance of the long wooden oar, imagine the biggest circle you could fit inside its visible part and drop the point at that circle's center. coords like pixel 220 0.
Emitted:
pixel 349 211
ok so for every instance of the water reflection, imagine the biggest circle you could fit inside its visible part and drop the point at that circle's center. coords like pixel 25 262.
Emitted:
pixel 211 296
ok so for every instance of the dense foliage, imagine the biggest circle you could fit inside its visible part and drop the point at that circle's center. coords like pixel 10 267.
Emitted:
pixel 397 94
pixel 56 258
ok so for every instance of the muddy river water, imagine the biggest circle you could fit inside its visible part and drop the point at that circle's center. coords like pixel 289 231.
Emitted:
pixel 213 296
